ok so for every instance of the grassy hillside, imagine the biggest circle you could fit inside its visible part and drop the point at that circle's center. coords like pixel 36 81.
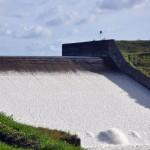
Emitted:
pixel 137 54
pixel 16 136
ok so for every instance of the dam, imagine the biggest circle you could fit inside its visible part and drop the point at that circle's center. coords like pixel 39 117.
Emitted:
pixel 78 94
pixel 110 52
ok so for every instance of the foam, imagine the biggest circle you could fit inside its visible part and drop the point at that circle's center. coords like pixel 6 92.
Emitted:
pixel 113 136
pixel 81 103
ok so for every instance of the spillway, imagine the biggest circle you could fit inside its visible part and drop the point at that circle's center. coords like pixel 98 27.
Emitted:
pixel 80 95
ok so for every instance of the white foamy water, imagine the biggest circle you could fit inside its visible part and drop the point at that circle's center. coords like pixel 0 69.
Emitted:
pixel 84 103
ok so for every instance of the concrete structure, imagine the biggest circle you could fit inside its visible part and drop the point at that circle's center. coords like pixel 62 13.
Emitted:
pixel 83 56
pixel 107 50
pixel 90 49
pixel 50 64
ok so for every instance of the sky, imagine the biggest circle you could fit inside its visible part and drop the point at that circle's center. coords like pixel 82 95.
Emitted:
pixel 40 27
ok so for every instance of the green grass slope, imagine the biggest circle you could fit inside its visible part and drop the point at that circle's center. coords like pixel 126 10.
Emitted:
pixel 137 54
pixel 17 136
pixel 4 146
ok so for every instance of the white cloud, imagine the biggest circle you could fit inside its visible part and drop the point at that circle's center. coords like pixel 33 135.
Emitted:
pixel 64 20
pixel 56 22
pixel 34 32
pixel 119 5
pixel 57 10
pixel 21 15
pixel 5 29
pixel 86 19
pixel 73 32
pixel 73 18
pixel 25 32
pixel 43 48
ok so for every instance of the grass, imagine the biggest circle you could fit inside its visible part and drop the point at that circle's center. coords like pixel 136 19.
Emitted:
pixel 137 54
pixel 4 146
pixel 60 135
pixel 17 136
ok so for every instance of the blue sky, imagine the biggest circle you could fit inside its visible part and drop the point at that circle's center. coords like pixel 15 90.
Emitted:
pixel 39 27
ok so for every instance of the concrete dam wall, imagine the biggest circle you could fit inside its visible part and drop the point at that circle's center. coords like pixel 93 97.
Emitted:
pixel 50 64
pixel 107 50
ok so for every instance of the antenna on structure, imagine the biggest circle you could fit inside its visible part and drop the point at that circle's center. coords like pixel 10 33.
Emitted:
pixel 101 35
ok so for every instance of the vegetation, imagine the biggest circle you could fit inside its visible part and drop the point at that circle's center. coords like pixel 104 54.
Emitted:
pixel 137 54
pixel 4 146
pixel 16 136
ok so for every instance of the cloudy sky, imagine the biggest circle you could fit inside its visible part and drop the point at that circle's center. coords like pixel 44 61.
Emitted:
pixel 39 27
